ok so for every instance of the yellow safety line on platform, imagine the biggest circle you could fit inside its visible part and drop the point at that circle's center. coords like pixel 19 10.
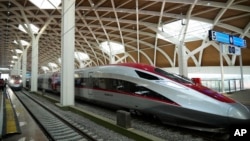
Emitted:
pixel 11 126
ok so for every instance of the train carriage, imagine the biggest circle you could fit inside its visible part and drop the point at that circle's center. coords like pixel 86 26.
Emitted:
pixel 171 98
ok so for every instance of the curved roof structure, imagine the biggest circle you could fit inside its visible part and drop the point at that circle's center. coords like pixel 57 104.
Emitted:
pixel 143 27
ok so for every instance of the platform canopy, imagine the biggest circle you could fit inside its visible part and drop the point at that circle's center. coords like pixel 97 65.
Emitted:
pixel 144 31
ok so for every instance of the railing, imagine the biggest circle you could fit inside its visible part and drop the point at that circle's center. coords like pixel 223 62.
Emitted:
pixel 230 85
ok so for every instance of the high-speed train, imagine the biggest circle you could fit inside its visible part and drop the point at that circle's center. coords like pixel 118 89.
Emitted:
pixel 169 97
pixel 15 82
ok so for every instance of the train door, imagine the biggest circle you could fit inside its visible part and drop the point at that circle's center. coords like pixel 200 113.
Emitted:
pixel 90 84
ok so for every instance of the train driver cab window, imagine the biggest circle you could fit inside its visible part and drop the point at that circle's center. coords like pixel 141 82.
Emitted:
pixel 146 75
pixel 176 77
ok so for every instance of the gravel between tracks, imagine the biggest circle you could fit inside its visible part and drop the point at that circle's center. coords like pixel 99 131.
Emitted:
pixel 168 133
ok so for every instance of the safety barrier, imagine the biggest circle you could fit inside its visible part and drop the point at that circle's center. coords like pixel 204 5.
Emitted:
pixel 230 85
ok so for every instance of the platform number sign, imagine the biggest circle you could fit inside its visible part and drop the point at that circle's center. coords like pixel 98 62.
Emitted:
pixel 229 49
pixel 226 39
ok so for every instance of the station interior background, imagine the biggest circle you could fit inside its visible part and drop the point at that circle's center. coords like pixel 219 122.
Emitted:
pixel 142 31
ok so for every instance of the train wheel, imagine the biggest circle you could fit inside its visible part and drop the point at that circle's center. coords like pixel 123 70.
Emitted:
pixel 135 112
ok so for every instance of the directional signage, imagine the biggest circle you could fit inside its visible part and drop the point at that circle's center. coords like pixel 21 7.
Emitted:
pixel 230 49
pixel 226 39
pixel 239 42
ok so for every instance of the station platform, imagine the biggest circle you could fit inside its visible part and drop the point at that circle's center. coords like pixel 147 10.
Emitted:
pixel 241 96
pixel 15 121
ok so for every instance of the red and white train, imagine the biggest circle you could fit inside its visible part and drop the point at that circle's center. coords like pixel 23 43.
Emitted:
pixel 15 82
pixel 147 89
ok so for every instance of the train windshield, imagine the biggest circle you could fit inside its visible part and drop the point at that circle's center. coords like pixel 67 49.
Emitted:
pixel 175 77
pixel 15 77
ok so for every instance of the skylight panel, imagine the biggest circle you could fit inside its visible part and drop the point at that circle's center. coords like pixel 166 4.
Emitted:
pixel 196 30
pixel 44 68
pixel 59 60
pixel 112 48
pixel 19 51
pixel 81 56
pixel 52 65
pixel 14 57
pixel 34 28
pixel 46 4
pixel 23 42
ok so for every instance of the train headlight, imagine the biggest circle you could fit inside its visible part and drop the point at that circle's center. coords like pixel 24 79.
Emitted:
pixel 20 81
pixel 239 111
pixel 12 81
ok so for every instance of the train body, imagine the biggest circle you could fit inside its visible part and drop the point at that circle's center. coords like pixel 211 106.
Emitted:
pixel 15 82
pixel 147 89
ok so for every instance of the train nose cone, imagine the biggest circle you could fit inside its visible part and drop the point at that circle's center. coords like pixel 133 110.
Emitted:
pixel 239 114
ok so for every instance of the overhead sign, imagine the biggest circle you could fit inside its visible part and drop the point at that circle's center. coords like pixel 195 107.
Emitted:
pixel 226 39
pixel 230 49
pixel 237 41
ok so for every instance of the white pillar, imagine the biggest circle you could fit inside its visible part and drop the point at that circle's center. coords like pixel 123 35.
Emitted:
pixel 182 59
pixel 82 65
pixel 68 45
pixel 24 66
pixel 241 72
pixel 34 64
pixel 111 59
pixel 19 66
pixel 35 39
pixel 14 69
pixel 221 68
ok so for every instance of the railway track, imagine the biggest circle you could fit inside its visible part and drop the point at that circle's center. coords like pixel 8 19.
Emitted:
pixel 55 125
pixel 152 127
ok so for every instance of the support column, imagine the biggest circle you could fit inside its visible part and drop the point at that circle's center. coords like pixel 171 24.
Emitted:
pixel 24 66
pixel 182 56
pixel 241 72
pixel 14 69
pixel 68 46
pixel 182 59
pixel 81 64
pixel 34 57
pixel 34 69
pixel 111 59
pixel 19 65
pixel 221 68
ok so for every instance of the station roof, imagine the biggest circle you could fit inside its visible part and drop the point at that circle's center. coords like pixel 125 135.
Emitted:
pixel 147 31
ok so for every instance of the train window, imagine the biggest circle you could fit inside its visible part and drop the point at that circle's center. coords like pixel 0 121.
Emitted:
pixel 115 84
pixel 77 81
pixel 106 83
pixel 146 75
pixel 119 85
pixel 172 76
pixel 83 82
pixel 96 82
pixel 102 83
pixel 141 90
